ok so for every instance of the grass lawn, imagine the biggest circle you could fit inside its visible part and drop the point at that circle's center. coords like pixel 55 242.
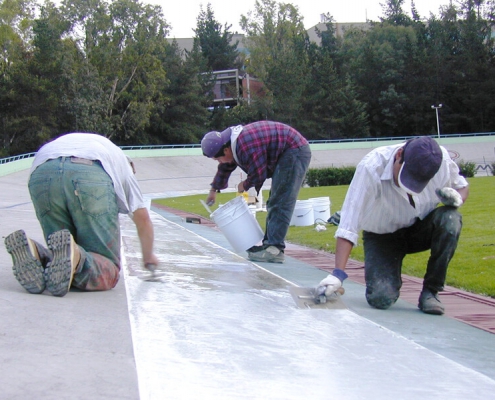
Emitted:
pixel 471 269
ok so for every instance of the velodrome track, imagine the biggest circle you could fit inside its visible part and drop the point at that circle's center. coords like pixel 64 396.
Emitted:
pixel 218 326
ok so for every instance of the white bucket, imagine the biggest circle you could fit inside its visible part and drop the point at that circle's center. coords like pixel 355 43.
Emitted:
pixel 256 197
pixel 259 204
pixel 238 224
pixel 303 213
pixel 321 208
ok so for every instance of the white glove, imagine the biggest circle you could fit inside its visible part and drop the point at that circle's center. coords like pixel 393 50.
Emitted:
pixel 449 196
pixel 328 286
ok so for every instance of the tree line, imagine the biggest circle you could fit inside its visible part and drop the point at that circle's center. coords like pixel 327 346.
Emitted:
pixel 108 67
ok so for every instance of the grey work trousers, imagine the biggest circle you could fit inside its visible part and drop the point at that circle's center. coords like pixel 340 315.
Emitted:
pixel 439 232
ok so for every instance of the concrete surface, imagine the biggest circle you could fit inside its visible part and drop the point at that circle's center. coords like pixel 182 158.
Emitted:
pixel 218 326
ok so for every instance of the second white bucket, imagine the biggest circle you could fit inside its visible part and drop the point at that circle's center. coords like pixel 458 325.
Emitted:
pixel 238 224
pixel 321 208
pixel 303 213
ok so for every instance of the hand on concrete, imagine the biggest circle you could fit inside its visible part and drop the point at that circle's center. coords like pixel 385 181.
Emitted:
pixel 210 200
pixel 151 267
pixel 449 196
pixel 151 262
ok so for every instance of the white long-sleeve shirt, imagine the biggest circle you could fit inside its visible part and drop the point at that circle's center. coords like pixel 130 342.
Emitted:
pixel 376 204
pixel 96 147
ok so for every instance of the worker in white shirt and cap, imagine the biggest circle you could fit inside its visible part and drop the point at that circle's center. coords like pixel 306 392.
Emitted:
pixel 393 198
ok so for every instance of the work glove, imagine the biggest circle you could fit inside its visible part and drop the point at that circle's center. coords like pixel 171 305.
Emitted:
pixel 449 196
pixel 332 283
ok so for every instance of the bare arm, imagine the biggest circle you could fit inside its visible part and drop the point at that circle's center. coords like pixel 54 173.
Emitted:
pixel 342 252
pixel 464 192
pixel 145 231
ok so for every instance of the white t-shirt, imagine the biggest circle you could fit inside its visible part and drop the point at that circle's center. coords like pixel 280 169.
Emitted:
pixel 374 203
pixel 96 147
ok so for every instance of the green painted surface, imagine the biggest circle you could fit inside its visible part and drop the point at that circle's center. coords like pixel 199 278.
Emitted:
pixel 20 165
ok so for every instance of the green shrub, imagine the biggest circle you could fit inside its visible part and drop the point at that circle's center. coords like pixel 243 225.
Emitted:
pixel 467 168
pixel 329 176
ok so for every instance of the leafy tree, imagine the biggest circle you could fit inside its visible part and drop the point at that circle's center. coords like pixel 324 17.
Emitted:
pixel 181 116
pixel 215 42
pixel 394 13
pixel 385 63
pixel 106 66
pixel 16 19
pixel 278 55
pixel 461 51
pixel 123 41
pixel 331 108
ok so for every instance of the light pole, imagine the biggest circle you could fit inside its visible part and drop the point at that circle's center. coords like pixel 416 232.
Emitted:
pixel 438 121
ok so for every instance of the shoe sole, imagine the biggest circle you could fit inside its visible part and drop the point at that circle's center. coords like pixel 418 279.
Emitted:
pixel 60 270
pixel 274 259
pixel 435 308
pixel 432 310
pixel 27 268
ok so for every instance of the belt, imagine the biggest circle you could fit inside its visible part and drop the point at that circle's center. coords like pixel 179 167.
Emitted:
pixel 78 160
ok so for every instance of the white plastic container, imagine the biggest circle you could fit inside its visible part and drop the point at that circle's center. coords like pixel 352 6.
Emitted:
pixel 321 209
pixel 259 204
pixel 238 224
pixel 303 213
pixel 256 196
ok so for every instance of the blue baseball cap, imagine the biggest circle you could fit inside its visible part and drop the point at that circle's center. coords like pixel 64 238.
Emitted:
pixel 422 160
pixel 213 141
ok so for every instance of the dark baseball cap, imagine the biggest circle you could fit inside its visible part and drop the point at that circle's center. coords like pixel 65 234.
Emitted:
pixel 213 141
pixel 422 160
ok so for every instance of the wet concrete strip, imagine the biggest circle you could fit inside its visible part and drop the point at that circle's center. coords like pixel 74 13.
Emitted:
pixel 217 325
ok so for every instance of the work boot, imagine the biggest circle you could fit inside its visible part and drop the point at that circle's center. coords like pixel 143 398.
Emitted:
pixel 429 303
pixel 268 254
pixel 28 258
pixel 66 256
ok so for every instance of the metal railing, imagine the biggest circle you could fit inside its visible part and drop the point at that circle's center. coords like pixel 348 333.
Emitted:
pixel 321 141
pixel 161 146
pixel 15 158
pixel 400 138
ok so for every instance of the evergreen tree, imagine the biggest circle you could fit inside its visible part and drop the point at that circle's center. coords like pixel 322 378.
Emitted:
pixel 331 107
pixel 215 42
pixel 181 116
pixel 278 46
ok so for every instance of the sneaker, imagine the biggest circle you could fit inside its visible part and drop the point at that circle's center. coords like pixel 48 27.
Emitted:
pixel 254 249
pixel 429 303
pixel 27 267
pixel 268 254
pixel 66 256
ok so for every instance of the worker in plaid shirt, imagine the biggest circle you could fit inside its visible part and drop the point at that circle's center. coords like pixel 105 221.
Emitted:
pixel 263 150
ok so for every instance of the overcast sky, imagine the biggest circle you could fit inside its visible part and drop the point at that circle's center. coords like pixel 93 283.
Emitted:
pixel 182 14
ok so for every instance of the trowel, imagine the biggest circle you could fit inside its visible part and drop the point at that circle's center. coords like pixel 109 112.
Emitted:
pixel 208 209
pixel 307 298
pixel 151 274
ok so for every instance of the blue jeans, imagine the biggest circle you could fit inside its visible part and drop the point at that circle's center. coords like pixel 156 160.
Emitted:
pixel 439 232
pixel 287 180
pixel 78 195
